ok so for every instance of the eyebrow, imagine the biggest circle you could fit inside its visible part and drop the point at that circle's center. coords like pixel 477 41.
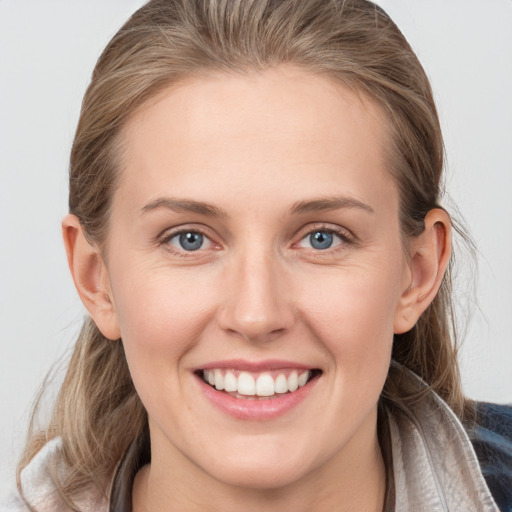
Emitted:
pixel 184 205
pixel 300 207
pixel 329 203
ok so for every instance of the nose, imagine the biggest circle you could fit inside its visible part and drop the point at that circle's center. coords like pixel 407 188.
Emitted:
pixel 257 303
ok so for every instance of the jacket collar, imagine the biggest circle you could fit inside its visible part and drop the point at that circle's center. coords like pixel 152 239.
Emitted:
pixel 435 466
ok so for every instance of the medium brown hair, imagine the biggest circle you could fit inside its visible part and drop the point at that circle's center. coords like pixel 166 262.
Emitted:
pixel 166 41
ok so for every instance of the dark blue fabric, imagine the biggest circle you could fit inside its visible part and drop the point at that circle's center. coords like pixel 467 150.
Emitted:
pixel 492 440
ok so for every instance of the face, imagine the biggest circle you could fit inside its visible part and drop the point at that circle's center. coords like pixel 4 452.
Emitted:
pixel 254 243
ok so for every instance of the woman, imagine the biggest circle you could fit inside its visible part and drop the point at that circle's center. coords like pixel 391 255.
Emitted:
pixel 255 230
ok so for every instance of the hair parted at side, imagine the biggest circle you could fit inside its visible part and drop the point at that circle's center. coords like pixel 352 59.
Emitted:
pixel 167 41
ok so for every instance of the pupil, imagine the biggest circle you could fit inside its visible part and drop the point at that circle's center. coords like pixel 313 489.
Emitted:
pixel 191 241
pixel 320 240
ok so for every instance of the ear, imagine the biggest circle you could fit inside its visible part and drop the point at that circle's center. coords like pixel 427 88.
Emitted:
pixel 428 260
pixel 90 276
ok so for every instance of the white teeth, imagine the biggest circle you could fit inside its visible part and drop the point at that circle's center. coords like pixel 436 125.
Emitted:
pixel 246 384
pixel 263 385
pixel 281 385
pixel 230 382
pixel 293 381
pixel 219 380
pixel 303 378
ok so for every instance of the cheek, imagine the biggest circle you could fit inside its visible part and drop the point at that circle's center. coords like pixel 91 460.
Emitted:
pixel 162 315
pixel 353 312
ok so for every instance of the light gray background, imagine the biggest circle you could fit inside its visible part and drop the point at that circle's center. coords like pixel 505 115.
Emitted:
pixel 47 52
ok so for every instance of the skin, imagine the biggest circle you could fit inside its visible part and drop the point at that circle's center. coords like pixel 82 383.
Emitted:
pixel 253 147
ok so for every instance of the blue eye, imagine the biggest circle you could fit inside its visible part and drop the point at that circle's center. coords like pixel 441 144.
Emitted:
pixel 191 241
pixel 188 240
pixel 321 240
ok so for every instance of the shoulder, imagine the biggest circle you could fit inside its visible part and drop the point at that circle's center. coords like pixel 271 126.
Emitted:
pixel 40 490
pixel 492 441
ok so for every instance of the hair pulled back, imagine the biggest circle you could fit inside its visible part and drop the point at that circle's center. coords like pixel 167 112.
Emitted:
pixel 98 414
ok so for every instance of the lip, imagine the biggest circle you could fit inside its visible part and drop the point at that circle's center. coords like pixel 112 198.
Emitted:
pixel 255 366
pixel 255 409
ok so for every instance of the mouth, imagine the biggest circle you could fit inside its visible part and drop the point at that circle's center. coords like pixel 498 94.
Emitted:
pixel 265 385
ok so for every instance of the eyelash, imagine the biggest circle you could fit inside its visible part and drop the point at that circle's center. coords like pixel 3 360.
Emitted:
pixel 346 237
pixel 166 239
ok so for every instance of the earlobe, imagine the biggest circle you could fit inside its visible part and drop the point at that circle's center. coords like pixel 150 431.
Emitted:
pixel 428 261
pixel 90 277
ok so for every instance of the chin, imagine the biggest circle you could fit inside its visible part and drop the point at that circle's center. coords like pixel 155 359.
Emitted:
pixel 261 468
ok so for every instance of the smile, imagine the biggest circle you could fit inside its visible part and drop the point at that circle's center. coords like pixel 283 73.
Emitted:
pixel 256 391
pixel 256 385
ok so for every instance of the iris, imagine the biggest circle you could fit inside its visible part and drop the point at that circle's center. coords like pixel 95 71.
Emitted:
pixel 321 240
pixel 191 241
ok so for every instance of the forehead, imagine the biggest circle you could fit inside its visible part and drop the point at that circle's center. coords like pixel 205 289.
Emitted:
pixel 220 133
